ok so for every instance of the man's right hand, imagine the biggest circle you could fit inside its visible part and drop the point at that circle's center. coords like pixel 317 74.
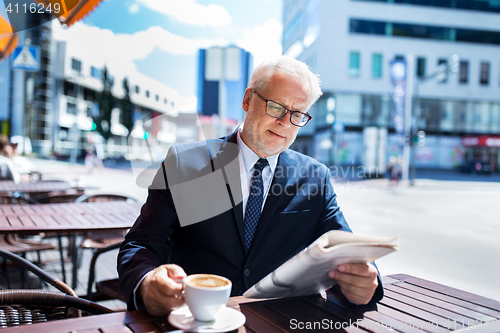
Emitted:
pixel 160 292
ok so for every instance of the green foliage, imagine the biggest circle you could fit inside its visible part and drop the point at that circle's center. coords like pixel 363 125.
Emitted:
pixel 105 102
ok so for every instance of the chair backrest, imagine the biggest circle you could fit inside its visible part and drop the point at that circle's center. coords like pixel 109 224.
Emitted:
pixel 104 198
pixel 58 284
pixel 57 197
pixel 7 199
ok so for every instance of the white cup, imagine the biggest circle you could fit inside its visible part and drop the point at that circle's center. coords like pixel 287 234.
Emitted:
pixel 206 294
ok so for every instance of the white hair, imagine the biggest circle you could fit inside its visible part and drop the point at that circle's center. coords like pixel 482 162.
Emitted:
pixel 287 65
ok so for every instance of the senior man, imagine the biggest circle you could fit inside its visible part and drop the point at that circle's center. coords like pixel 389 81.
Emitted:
pixel 280 202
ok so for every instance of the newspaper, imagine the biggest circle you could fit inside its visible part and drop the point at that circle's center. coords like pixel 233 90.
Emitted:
pixel 307 272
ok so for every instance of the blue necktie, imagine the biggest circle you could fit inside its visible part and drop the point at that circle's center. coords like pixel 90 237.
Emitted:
pixel 254 204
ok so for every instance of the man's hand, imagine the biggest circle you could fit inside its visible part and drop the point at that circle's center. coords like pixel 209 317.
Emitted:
pixel 357 282
pixel 160 292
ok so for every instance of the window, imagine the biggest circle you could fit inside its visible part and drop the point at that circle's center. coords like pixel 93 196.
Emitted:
pixel 421 70
pixel 354 64
pixel 484 74
pixel 137 89
pixel 157 98
pixel 95 73
pixel 377 65
pixel 165 101
pixel 76 65
pixel 147 93
pixel 71 108
pixel 69 89
pixel 400 57
pixel 463 72
pixel 444 63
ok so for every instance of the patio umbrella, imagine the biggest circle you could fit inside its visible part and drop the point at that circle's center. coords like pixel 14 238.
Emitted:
pixel 8 39
pixel 78 12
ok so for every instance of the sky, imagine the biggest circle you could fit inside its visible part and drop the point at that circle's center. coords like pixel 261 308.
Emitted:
pixel 161 38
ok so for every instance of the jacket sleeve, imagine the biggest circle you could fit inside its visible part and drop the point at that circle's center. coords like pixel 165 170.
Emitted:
pixel 333 219
pixel 147 244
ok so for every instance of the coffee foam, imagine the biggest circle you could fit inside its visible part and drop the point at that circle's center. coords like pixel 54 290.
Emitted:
pixel 208 282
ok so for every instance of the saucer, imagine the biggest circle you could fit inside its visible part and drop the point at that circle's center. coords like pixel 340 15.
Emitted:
pixel 227 319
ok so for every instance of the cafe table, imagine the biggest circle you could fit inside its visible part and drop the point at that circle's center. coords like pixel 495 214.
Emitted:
pixel 9 186
pixel 68 218
pixel 410 305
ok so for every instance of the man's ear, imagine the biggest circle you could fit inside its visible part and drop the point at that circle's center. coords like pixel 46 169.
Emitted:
pixel 246 99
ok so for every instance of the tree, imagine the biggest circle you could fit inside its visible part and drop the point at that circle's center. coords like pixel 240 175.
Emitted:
pixel 127 107
pixel 105 102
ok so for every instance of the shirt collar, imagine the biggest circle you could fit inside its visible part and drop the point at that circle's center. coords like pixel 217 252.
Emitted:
pixel 250 158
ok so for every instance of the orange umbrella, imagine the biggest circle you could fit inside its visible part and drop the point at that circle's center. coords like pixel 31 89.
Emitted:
pixel 8 39
pixel 71 11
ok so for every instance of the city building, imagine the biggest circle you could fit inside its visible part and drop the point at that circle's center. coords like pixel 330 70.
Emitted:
pixel 78 81
pixel 351 43
pixel 223 75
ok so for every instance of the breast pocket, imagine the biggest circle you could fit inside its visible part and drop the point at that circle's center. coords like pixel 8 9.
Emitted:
pixel 294 215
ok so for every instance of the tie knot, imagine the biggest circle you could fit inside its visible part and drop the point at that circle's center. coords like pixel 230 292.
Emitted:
pixel 260 164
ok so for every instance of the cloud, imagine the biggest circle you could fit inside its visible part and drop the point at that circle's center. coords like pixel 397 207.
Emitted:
pixel 263 41
pixel 190 12
pixel 134 8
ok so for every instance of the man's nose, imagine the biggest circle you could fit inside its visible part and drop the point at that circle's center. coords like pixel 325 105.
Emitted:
pixel 285 120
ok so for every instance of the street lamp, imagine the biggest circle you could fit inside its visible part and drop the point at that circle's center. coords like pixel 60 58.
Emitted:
pixel 441 74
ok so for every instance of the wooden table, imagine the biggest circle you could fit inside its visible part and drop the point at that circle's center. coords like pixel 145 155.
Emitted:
pixel 410 305
pixel 72 218
pixel 8 186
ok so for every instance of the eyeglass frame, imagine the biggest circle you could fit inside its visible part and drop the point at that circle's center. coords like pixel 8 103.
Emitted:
pixel 309 117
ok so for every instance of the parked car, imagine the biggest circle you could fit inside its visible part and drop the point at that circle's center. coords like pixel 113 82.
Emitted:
pixel 475 167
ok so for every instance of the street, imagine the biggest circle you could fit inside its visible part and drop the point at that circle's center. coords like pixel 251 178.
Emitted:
pixel 448 230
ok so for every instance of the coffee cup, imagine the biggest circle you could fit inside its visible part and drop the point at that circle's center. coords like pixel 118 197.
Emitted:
pixel 206 294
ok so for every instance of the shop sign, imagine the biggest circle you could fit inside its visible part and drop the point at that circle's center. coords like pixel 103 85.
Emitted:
pixel 481 141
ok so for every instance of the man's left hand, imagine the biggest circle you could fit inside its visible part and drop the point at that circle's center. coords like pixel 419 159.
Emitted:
pixel 357 282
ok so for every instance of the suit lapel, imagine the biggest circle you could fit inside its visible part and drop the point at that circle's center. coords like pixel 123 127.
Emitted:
pixel 227 159
pixel 276 191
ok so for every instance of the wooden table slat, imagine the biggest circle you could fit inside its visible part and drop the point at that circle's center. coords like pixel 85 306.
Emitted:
pixel 428 317
pixel 457 293
pixel 452 300
pixel 256 323
pixel 280 319
pixel 116 329
pixel 440 303
pixel 144 326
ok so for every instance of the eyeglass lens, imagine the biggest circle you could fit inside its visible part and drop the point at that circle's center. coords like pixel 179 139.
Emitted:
pixel 277 111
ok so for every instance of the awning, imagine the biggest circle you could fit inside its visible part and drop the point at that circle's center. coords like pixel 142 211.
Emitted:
pixel 8 39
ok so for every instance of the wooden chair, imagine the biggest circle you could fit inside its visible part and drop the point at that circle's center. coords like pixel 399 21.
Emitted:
pixel 101 242
pixel 25 306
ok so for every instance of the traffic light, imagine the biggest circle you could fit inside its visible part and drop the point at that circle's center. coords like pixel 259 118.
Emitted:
pixel 419 139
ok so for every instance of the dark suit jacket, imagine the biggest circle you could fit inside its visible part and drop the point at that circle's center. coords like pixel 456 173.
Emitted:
pixel 300 207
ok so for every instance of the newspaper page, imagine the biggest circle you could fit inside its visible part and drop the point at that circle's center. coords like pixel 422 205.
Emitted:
pixel 307 272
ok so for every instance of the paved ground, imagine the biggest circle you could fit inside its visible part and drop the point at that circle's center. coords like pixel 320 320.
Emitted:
pixel 447 225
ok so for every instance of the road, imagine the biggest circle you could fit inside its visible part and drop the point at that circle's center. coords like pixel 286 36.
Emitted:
pixel 447 225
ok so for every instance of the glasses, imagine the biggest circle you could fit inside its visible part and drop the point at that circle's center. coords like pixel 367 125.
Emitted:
pixel 277 110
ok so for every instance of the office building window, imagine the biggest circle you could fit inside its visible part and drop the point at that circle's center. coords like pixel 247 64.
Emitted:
pixel 443 63
pixel 354 64
pixel 479 5
pixel 463 74
pixel 157 98
pixel 71 108
pixel 165 101
pixel 400 57
pixel 484 74
pixel 358 26
pixel 147 93
pixel 377 65
pixel 69 89
pixel 137 89
pixel 95 73
pixel 421 70
pixel 76 65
